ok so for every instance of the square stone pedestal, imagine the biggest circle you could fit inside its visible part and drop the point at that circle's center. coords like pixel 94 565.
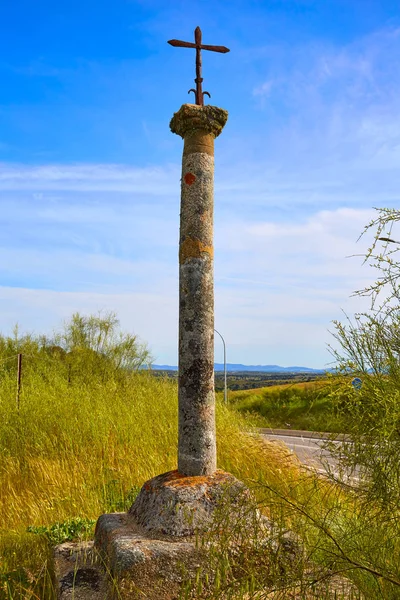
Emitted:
pixel 151 550
pixel 127 559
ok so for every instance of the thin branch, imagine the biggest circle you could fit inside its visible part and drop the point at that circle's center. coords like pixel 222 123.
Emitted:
pixel 326 531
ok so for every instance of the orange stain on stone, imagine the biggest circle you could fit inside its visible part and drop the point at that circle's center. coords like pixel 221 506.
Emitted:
pixel 176 479
pixel 190 178
pixel 192 248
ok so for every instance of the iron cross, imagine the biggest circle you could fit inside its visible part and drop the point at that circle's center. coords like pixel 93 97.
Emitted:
pixel 199 47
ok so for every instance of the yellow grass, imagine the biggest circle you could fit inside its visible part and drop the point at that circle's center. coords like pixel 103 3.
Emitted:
pixel 71 450
pixel 256 391
pixel 84 449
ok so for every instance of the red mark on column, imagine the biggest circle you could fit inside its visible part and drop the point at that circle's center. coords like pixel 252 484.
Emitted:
pixel 190 178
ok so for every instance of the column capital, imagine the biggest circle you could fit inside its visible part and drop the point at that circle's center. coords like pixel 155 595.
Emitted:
pixel 192 118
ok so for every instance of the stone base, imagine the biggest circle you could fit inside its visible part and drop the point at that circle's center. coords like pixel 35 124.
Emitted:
pixel 79 576
pixel 125 546
pixel 156 568
pixel 175 505
pixel 141 564
pixel 169 510
pixel 151 549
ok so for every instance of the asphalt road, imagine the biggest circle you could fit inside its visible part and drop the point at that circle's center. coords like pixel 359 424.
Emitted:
pixel 307 445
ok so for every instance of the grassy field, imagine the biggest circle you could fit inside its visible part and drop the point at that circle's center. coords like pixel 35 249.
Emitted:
pixel 75 450
pixel 304 406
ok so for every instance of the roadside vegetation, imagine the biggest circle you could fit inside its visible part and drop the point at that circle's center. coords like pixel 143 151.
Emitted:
pixel 83 436
pixel 86 432
pixel 247 380
pixel 363 522
pixel 306 406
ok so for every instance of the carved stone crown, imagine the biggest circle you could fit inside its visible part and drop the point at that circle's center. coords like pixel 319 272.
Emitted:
pixel 192 118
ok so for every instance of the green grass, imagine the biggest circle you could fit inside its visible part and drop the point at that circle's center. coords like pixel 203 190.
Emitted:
pixel 75 451
pixel 304 406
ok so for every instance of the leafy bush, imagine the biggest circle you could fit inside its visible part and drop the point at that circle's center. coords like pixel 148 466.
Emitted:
pixel 68 531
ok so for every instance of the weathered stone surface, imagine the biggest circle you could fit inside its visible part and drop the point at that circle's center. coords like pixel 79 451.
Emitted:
pixel 125 545
pixel 174 505
pixel 197 451
pixel 191 118
pixel 152 549
pixel 78 572
pixel 151 568
pixel 167 564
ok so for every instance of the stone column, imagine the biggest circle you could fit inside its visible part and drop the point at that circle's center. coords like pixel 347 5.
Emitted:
pixel 198 126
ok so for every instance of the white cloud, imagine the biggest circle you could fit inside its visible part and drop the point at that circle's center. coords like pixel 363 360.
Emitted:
pixel 90 177
pixel 274 282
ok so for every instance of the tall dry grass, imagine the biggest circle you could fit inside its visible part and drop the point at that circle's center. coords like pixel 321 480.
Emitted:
pixel 75 451
pixel 81 449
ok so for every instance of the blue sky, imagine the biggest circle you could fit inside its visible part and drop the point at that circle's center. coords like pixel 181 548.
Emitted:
pixel 90 172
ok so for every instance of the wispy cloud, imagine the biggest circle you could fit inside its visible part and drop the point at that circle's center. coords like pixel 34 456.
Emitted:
pixel 264 89
pixel 342 101
pixel 89 177
pixel 270 276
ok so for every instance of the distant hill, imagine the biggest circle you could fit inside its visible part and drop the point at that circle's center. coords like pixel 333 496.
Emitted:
pixel 255 368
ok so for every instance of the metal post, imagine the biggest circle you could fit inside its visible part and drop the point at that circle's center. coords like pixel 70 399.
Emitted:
pixel 225 386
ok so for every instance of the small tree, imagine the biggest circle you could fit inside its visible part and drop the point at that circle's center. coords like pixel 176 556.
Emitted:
pixel 92 341
pixel 370 348
pixel 88 346
pixel 356 531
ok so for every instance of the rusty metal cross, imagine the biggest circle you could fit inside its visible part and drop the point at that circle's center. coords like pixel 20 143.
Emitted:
pixel 199 47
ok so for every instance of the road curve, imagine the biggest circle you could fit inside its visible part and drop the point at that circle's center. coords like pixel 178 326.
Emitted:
pixel 307 445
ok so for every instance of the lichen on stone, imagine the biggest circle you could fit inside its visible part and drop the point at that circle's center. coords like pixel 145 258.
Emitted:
pixel 191 118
